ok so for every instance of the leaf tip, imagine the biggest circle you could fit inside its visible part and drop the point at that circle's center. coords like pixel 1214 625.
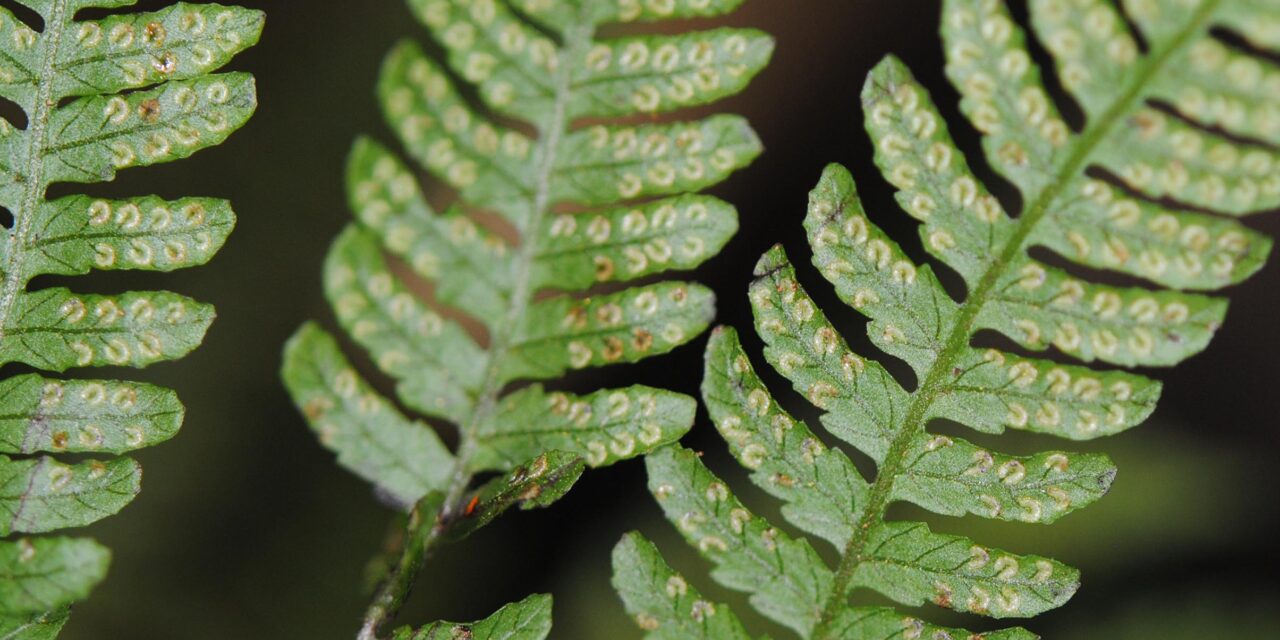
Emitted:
pixel 774 260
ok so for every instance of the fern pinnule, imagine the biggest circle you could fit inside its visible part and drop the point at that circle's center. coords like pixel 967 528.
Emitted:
pixel 1146 188
pixel 565 199
pixel 100 95
pixel 528 619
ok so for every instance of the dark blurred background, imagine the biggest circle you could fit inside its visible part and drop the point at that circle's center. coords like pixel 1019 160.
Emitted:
pixel 246 527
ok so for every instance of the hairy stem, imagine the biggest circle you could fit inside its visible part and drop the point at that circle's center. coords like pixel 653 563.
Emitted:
pixel 957 342
pixel 424 533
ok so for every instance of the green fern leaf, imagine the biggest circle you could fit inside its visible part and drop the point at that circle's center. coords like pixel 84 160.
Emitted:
pixel 562 206
pixel 1143 189
pixel 529 619
pixel 38 571
pixel 662 601
pixel 372 438
pixel 41 626
pixel 100 95
pixel 539 484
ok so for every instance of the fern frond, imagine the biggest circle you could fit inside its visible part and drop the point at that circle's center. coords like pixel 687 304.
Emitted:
pixel 99 95
pixel 1144 189
pixel 580 202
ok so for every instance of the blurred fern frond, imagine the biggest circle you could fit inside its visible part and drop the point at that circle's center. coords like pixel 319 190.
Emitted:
pixel 568 191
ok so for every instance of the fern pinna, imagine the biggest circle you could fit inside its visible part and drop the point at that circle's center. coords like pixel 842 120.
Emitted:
pixel 574 202
pixel 1179 133
pixel 100 94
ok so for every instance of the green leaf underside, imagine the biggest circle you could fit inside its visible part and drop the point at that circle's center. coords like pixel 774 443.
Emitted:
pixel 662 602
pixel 371 437
pixel 1185 136
pixel 606 425
pixel 529 619
pixel 882 622
pixel 45 574
pixel 41 494
pixel 39 414
pixel 40 626
pixel 100 95
pixel 580 202
pixel 539 483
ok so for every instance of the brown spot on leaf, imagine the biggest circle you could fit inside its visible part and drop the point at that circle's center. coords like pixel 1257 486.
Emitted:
pixel 577 317
pixel 531 493
pixel 643 340
pixel 604 268
pixel 1146 123
pixel 315 409
pixel 149 110
pixel 154 33
pixel 612 348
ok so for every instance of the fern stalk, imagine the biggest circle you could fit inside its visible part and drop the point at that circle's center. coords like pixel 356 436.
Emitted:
pixel 418 547
pixel 576 40
pixel 415 547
